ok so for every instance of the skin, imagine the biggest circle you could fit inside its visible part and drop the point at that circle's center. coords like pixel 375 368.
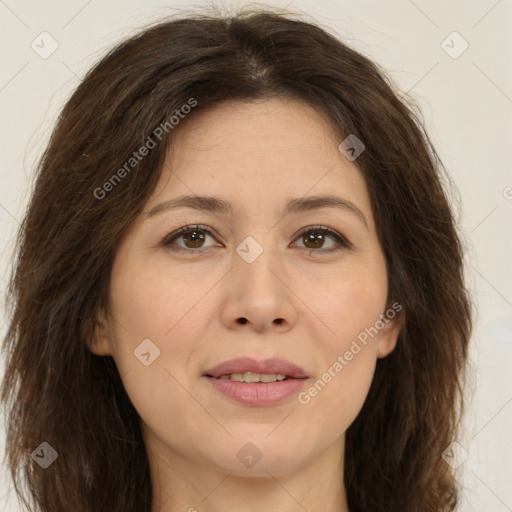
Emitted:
pixel 256 155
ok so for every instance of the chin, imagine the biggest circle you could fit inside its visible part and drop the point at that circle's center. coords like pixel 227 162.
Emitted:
pixel 253 456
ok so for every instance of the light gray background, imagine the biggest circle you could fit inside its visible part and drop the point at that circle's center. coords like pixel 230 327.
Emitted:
pixel 467 106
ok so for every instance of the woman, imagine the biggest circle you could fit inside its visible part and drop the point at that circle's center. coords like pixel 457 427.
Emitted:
pixel 238 285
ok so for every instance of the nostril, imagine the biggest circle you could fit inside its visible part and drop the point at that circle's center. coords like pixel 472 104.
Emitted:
pixel 242 320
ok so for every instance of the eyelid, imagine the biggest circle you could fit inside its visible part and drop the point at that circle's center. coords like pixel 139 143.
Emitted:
pixel 342 241
pixel 184 229
pixel 338 237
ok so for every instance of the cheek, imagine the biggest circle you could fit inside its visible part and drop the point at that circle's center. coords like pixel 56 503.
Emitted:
pixel 150 304
pixel 352 305
pixel 353 301
pixel 149 345
pixel 336 395
pixel 151 301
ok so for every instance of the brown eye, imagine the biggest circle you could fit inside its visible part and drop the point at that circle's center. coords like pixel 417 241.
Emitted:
pixel 192 237
pixel 195 238
pixel 315 238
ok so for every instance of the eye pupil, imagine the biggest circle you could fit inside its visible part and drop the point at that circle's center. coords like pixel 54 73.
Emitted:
pixel 196 238
pixel 315 238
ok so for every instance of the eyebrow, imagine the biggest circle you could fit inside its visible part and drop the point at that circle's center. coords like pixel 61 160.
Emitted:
pixel 216 205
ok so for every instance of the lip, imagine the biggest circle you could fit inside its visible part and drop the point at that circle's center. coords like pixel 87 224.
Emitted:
pixel 247 364
pixel 257 393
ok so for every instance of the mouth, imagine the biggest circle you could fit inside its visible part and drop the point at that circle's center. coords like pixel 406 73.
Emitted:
pixel 257 383
pixel 255 377
pixel 245 369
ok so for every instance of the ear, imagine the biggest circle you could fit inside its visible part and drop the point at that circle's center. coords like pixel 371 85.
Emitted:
pixel 388 336
pixel 98 340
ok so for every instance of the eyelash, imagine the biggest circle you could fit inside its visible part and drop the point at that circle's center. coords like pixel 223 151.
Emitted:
pixel 342 241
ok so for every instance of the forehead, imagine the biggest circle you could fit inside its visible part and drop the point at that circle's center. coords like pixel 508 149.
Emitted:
pixel 262 152
pixel 239 129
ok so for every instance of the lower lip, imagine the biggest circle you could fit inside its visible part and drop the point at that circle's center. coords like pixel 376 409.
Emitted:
pixel 257 393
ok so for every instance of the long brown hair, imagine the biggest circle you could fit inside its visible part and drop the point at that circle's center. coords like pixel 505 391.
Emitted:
pixel 56 391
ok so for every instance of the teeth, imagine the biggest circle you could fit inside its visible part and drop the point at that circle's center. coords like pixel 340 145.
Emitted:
pixel 254 377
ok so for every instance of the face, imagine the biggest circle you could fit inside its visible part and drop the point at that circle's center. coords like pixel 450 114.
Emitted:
pixel 260 280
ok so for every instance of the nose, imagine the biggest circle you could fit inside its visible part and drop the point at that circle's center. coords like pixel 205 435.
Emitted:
pixel 260 293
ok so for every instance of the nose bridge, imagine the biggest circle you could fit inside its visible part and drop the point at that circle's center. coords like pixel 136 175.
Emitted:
pixel 260 296
pixel 257 255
